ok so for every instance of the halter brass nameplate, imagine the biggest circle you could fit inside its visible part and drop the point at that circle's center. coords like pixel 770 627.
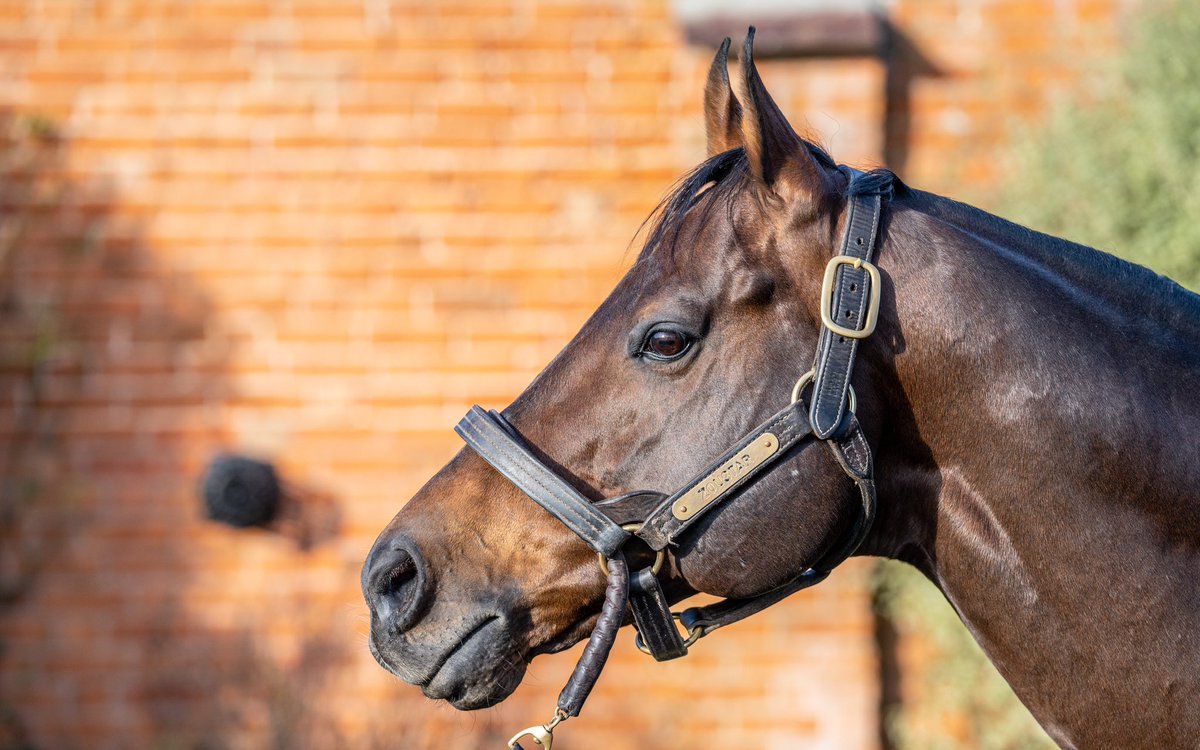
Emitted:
pixel 710 488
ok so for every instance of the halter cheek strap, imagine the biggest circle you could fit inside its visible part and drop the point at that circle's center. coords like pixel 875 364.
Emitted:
pixel 849 310
pixel 849 302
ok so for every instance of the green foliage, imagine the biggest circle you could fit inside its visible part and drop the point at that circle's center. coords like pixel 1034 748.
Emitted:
pixel 1120 170
pixel 39 126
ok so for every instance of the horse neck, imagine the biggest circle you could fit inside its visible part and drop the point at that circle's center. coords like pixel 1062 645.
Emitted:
pixel 1037 459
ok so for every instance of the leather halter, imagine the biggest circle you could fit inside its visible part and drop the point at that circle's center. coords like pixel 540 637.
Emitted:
pixel 849 309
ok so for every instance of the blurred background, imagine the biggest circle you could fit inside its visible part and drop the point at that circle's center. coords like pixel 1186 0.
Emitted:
pixel 314 232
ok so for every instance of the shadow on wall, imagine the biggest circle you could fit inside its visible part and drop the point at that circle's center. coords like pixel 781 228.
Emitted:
pixel 906 65
pixel 112 375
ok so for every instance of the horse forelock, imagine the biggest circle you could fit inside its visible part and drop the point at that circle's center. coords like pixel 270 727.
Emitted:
pixel 711 184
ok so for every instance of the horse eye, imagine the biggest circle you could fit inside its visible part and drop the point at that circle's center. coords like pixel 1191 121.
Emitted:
pixel 666 344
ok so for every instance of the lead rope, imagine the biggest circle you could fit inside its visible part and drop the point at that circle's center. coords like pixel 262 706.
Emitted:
pixel 591 663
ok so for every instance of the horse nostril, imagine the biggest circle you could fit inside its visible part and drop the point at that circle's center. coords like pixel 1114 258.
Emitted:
pixel 394 589
pixel 395 583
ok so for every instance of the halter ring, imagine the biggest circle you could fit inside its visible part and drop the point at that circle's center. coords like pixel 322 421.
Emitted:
pixel 659 556
pixel 694 634
pixel 807 377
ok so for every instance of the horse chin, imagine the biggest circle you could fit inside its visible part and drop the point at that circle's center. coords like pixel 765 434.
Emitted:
pixel 481 668
pixel 470 689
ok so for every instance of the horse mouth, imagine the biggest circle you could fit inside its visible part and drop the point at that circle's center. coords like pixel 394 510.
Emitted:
pixel 481 668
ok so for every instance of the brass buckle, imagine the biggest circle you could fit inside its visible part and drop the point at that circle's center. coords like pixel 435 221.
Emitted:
pixel 542 734
pixel 694 634
pixel 807 377
pixel 659 557
pixel 872 317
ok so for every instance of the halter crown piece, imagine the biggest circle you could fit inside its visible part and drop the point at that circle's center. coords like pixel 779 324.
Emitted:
pixel 851 288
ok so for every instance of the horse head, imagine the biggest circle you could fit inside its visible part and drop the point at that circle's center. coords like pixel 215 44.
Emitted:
pixel 702 339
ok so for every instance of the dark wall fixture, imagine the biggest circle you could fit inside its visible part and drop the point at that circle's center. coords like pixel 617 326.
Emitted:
pixel 241 491
pixel 833 29
pixel 245 492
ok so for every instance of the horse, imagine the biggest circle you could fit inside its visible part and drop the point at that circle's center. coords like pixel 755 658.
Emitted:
pixel 1019 424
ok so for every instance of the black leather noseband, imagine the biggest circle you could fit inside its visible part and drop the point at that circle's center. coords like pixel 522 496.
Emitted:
pixel 850 304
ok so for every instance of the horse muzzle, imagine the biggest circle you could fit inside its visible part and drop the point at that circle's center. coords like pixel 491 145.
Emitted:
pixel 466 655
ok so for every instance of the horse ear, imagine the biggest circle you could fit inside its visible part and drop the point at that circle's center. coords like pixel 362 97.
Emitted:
pixel 772 146
pixel 722 111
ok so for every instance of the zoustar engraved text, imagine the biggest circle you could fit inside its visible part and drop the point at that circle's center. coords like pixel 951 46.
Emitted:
pixel 723 478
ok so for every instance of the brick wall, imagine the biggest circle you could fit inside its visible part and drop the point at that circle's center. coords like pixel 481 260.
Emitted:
pixel 972 77
pixel 317 231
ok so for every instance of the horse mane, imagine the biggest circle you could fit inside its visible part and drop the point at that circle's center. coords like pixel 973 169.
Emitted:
pixel 1144 291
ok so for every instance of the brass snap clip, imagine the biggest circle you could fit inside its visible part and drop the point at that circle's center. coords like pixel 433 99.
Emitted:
pixel 542 734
